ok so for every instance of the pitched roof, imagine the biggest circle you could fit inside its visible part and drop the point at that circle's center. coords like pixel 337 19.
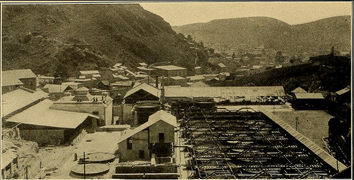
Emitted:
pixel 142 64
pixel 148 88
pixel 309 96
pixel 169 67
pixel 154 118
pixel 56 88
pixel 12 77
pixel 41 115
pixel 299 90
pixel 343 91
pixel 89 72
pixel 121 83
pixel 19 98
pixel 105 82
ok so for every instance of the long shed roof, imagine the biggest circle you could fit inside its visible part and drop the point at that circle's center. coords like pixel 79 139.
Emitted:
pixel 19 98
pixel 41 115
pixel 253 91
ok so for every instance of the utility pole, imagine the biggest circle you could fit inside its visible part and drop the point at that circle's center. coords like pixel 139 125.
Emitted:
pixel 297 120
pixel 84 166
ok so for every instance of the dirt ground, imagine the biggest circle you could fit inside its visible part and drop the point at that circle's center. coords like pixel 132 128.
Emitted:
pixel 311 123
pixel 95 142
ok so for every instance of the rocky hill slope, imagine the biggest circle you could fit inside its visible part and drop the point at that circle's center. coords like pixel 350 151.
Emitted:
pixel 272 33
pixel 47 38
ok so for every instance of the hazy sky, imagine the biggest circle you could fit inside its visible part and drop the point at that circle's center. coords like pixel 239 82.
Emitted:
pixel 181 13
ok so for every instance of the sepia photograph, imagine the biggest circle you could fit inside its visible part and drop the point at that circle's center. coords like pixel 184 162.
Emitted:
pixel 176 90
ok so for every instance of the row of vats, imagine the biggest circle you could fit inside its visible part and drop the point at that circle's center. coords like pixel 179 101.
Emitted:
pixel 245 144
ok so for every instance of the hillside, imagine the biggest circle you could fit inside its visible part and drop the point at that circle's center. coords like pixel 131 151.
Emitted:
pixel 273 34
pixel 85 36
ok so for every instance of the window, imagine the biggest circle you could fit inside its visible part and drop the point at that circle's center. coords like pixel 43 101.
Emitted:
pixel 129 144
pixel 141 154
pixel 161 137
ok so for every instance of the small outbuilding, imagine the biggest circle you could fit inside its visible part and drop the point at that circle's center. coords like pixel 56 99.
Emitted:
pixel 156 136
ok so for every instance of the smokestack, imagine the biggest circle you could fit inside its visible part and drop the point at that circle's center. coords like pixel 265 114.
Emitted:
pixel 157 81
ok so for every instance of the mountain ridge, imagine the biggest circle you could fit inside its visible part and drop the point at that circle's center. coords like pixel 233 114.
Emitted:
pixel 272 33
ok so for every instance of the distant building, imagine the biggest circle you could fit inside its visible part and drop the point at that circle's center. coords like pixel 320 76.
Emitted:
pixel 9 164
pixel 47 126
pixel 103 84
pixel 308 101
pixel 344 95
pixel 12 79
pixel 90 73
pixel 222 67
pixel 143 64
pixel 56 91
pixel 83 101
pixel 156 136
pixel 299 90
pixel 171 70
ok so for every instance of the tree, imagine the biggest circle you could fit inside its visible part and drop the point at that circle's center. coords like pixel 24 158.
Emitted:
pixel 211 51
pixel 189 37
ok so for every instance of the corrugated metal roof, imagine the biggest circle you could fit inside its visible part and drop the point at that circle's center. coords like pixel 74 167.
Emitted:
pixel 343 91
pixel 154 118
pixel 19 98
pixel 41 115
pixel 299 90
pixel 309 96
pixel 169 67
pixel 224 92
pixel 12 77
pixel 148 88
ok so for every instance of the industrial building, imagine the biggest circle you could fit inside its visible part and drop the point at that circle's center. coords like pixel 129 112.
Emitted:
pixel 254 94
pixel 249 144
pixel 12 79
pixel 308 100
pixel 47 126
pixel 83 101
pixel 156 136
pixel 173 74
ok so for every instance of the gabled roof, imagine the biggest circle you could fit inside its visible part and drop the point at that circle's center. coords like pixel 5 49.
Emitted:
pixel 105 82
pixel 299 90
pixel 89 72
pixel 56 88
pixel 12 77
pixel 19 98
pixel 41 115
pixel 153 91
pixel 154 118
pixel 343 91
pixel 309 96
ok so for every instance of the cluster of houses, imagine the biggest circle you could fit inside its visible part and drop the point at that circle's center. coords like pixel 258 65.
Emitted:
pixel 60 113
